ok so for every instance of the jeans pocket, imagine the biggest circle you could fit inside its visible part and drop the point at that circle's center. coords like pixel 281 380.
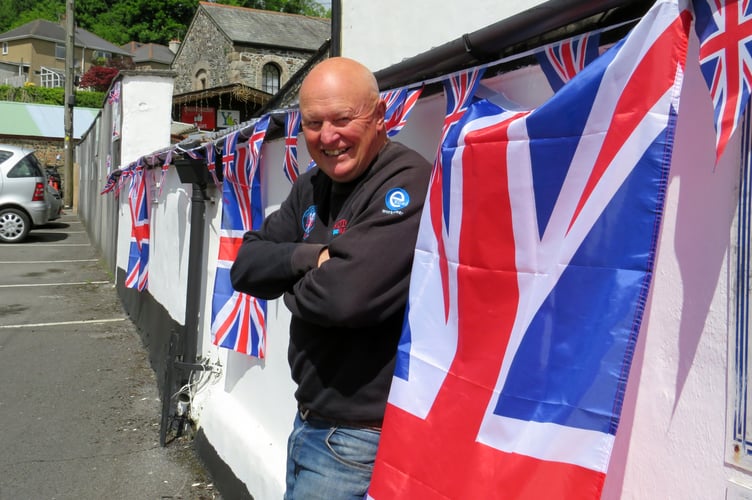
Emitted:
pixel 354 447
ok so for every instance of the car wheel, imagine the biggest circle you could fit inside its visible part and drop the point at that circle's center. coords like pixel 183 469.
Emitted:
pixel 14 225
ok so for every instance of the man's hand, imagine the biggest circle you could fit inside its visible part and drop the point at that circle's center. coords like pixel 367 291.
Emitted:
pixel 323 256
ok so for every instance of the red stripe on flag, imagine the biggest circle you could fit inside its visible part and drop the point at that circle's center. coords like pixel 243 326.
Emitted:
pixel 228 248
pixel 643 90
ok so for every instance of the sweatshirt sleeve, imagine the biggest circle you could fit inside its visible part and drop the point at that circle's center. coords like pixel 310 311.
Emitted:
pixel 367 277
pixel 270 261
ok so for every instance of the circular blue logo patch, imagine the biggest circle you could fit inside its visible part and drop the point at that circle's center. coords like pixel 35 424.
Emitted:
pixel 309 220
pixel 397 199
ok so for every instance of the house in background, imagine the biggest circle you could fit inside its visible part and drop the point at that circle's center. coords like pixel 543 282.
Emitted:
pixel 36 50
pixel 233 59
pixel 151 55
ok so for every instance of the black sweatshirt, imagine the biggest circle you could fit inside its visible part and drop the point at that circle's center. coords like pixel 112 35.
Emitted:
pixel 346 315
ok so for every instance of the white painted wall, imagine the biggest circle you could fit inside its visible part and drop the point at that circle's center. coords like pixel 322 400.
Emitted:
pixel 382 33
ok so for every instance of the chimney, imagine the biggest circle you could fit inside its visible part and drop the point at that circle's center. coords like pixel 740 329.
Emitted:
pixel 174 45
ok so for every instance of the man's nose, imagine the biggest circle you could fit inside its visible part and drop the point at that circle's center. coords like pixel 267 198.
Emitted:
pixel 329 132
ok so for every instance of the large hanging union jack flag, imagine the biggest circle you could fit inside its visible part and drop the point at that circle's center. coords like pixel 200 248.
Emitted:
pixel 531 272
pixel 137 273
pixel 724 28
pixel 238 319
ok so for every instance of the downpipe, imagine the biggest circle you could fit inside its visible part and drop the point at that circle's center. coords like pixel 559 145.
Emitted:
pixel 181 355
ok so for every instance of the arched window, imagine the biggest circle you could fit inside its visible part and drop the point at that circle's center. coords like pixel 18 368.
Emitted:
pixel 270 78
pixel 200 80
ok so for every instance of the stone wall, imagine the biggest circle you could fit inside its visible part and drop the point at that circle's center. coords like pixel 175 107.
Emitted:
pixel 46 150
pixel 206 49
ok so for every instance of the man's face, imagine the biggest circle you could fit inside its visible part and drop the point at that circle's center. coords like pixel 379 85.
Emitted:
pixel 342 129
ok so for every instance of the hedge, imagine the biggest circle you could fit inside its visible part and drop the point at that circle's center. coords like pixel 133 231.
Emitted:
pixel 43 95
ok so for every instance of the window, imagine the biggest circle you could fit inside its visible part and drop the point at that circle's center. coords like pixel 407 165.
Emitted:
pixel 5 48
pixel 101 54
pixel 270 78
pixel 4 155
pixel 50 78
pixel 27 167
pixel 201 79
pixel 59 51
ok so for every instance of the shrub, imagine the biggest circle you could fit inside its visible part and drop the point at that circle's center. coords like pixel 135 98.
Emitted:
pixel 43 95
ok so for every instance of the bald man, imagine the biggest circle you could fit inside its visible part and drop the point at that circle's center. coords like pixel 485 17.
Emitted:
pixel 340 250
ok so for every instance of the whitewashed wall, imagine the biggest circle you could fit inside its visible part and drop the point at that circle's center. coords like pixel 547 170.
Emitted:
pixel 382 33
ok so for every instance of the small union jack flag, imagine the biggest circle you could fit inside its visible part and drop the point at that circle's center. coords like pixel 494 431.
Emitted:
pixel 561 61
pixel 292 128
pixel 399 103
pixel 211 162
pixel 238 319
pixel 725 32
pixel 111 183
pixel 113 97
pixel 165 168
pixel 137 273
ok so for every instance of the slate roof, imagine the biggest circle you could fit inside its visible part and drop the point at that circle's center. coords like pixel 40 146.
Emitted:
pixel 262 27
pixel 145 52
pixel 47 30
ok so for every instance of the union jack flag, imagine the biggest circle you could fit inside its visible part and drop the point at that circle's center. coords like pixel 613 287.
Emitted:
pixel 459 90
pixel 562 60
pixel 211 162
pixel 113 99
pixel 724 28
pixel 292 128
pixel 238 319
pixel 137 274
pixel 113 96
pixel 111 182
pixel 399 103
pixel 515 390
pixel 165 169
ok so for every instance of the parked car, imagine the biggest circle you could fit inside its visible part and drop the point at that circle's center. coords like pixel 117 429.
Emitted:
pixel 24 202
pixel 55 202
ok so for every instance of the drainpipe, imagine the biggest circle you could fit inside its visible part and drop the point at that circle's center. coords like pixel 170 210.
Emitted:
pixel 195 268
pixel 335 49
pixel 181 356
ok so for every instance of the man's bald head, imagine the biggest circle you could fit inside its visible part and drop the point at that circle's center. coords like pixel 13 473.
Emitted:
pixel 342 117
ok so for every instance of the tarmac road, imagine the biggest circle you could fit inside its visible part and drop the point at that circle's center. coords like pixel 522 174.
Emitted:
pixel 79 406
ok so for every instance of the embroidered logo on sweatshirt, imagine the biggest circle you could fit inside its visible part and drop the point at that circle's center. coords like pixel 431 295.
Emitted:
pixel 309 220
pixel 339 227
pixel 396 199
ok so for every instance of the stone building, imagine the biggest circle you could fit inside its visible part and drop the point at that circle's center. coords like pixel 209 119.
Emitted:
pixel 151 55
pixel 227 45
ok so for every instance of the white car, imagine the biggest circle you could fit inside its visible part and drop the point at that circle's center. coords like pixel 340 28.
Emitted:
pixel 24 202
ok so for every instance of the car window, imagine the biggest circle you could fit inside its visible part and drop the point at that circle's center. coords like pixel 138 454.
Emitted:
pixel 4 155
pixel 27 167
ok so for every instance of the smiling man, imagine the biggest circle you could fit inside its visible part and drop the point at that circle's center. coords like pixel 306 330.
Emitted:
pixel 340 250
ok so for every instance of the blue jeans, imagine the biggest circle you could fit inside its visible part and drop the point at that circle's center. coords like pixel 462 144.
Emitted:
pixel 329 463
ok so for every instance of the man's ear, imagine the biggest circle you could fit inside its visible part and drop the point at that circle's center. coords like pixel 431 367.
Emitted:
pixel 380 112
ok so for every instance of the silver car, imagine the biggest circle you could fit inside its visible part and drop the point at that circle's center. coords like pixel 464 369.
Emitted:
pixel 23 194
